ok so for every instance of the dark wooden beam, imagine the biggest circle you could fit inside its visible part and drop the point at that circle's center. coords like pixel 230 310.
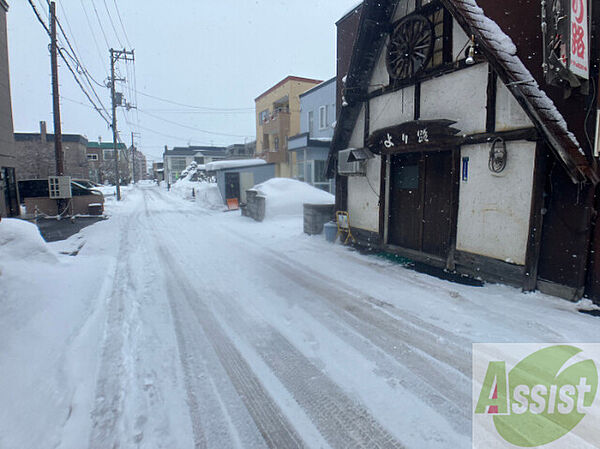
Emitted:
pixel 417 101
pixel 530 134
pixel 382 196
pixel 450 263
pixel 534 240
pixel 490 119
pixel 440 70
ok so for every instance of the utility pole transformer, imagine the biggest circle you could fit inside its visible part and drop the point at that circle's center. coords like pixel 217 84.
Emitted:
pixel 116 55
pixel 58 151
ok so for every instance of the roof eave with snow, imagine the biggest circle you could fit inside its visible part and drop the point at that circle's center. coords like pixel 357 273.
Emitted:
pixel 499 51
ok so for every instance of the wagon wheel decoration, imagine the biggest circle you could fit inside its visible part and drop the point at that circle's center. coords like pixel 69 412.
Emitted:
pixel 410 47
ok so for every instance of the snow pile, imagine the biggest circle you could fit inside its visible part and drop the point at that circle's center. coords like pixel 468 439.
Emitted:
pixel 221 165
pixel 21 240
pixel 286 196
pixel 205 193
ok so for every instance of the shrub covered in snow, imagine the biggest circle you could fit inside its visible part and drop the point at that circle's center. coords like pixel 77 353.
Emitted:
pixel 21 240
pixel 286 196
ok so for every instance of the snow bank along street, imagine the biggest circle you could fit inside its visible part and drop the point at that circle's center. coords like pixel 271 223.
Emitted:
pixel 179 326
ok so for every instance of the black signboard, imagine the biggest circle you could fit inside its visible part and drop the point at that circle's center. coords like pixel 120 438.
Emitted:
pixel 418 135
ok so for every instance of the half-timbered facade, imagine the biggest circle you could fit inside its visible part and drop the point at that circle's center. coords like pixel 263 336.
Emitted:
pixel 458 144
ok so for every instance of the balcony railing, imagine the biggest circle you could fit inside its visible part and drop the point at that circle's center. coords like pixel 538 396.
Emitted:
pixel 275 157
pixel 277 123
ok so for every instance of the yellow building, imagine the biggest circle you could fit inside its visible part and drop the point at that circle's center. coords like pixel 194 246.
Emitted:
pixel 277 118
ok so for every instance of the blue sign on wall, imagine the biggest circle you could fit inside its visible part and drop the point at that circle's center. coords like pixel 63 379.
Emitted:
pixel 465 169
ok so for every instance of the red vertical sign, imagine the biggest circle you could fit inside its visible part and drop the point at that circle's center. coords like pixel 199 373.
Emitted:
pixel 579 59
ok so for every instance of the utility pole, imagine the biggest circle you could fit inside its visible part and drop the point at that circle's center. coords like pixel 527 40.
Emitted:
pixel 115 55
pixel 132 159
pixel 58 151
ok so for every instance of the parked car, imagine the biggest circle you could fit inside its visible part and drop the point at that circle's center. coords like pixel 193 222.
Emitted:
pixel 85 200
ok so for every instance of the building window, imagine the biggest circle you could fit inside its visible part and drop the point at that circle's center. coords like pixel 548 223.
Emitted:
pixel 320 167
pixel 199 160
pixel 108 155
pixel 311 123
pixel 437 20
pixel 92 157
pixel 263 117
pixel 323 117
pixel 178 164
pixel 276 143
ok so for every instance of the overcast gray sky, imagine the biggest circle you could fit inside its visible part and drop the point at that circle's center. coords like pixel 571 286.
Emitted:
pixel 216 55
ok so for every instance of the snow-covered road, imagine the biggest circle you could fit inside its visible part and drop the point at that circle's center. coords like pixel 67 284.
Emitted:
pixel 206 329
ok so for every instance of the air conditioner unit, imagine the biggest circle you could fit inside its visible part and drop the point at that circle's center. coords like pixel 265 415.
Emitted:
pixel 59 187
pixel 355 168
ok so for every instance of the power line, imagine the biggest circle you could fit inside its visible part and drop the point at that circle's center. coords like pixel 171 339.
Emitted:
pixel 122 26
pixel 81 67
pixel 191 106
pixel 191 127
pixel 187 111
pixel 100 23
pixel 112 23
pixel 87 18
pixel 61 53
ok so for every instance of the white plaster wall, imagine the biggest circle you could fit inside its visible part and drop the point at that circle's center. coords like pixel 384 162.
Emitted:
pixel 392 109
pixel 357 140
pixel 459 40
pixel 509 113
pixel 459 96
pixel 363 197
pixel 380 77
pixel 494 209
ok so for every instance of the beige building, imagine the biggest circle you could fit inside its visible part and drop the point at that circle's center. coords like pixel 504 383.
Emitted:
pixel 277 118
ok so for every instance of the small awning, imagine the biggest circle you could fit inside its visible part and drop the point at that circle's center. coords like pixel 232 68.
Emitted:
pixel 359 154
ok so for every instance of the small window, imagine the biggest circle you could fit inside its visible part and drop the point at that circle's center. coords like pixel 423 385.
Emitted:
pixel 323 117
pixel 311 123
pixel 320 167
pixel 108 155
pixel 276 143
pixel 408 177
pixel 178 164
pixel 264 116
pixel 92 157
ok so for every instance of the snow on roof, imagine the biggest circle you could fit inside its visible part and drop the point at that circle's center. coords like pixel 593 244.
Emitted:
pixel 286 196
pixel 234 163
pixel 522 83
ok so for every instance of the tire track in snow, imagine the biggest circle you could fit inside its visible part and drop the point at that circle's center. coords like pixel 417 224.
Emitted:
pixel 276 430
pixel 413 343
pixel 110 388
pixel 343 422
pixel 409 340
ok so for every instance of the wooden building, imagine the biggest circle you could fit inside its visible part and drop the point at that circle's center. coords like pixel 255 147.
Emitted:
pixel 466 137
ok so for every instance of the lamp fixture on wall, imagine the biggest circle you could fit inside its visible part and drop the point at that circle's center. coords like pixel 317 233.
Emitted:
pixel 471 52
pixel 498 156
